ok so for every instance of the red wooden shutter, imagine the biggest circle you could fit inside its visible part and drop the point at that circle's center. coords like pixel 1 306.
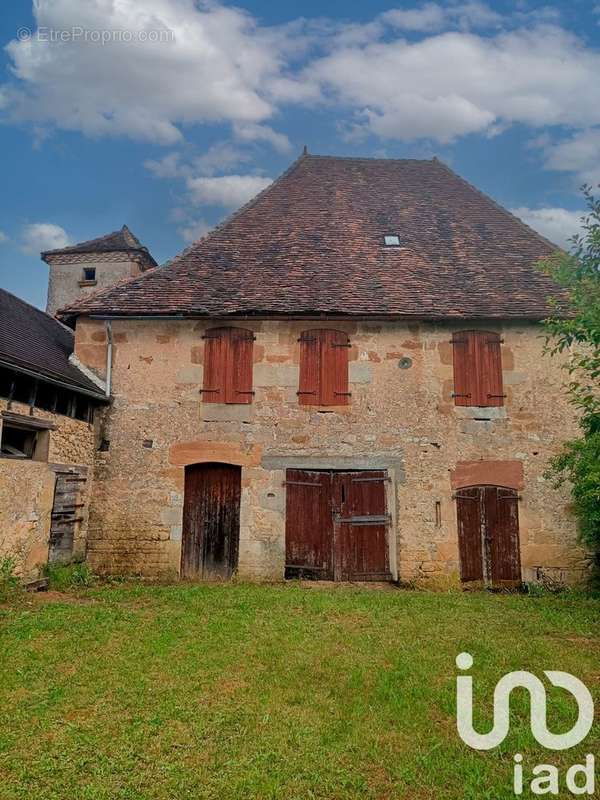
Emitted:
pixel 309 381
pixel 323 368
pixel 462 349
pixel 489 369
pixel 239 371
pixel 477 369
pixel 216 345
pixel 334 369
pixel 228 366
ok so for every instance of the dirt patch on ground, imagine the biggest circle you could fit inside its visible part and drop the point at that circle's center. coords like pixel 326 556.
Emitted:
pixel 381 586
pixel 50 596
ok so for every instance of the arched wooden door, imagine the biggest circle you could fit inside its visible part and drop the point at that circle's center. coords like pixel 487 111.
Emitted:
pixel 488 536
pixel 211 520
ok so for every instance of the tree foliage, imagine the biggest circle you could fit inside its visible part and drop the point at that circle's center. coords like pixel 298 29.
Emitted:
pixel 573 330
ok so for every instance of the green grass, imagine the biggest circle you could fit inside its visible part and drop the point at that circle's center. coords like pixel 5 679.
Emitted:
pixel 243 691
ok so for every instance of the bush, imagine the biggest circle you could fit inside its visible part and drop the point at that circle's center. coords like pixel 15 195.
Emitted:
pixel 62 577
pixel 573 331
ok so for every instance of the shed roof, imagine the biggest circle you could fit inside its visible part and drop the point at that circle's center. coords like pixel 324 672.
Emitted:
pixel 33 341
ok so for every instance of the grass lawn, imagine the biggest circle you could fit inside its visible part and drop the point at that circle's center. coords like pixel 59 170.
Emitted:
pixel 240 691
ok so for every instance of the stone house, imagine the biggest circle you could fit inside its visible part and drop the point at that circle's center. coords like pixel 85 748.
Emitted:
pixel 344 380
pixel 47 443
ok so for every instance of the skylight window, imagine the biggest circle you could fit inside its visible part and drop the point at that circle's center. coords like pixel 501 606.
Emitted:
pixel 391 240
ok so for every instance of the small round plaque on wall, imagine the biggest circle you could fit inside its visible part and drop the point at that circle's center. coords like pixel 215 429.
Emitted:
pixel 405 363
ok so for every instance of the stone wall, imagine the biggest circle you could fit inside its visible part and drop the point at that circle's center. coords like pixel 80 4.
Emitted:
pixel 401 419
pixel 27 491
pixel 65 279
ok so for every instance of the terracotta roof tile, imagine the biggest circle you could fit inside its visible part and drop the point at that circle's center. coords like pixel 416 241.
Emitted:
pixel 312 242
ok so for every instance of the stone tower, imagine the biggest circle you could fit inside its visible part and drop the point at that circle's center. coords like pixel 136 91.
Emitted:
pixel 92 265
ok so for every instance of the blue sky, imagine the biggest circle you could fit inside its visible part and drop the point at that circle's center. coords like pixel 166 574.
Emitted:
pixel 187 109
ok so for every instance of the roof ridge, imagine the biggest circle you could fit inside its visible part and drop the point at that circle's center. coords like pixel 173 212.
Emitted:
pixel 371 159
pixel 497 205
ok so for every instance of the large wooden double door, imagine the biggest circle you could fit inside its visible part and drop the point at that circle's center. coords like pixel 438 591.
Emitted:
pixel 337 525
pixel 488 536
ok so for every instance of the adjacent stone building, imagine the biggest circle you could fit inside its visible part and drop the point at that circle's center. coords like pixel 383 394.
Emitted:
pixel 47 410
pixel 88 266
pixel 345 380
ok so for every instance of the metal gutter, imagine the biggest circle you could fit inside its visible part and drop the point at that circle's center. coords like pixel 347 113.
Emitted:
pixel 109 356
pixel 321 316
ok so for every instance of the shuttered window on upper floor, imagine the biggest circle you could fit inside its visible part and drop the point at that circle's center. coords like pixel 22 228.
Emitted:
pixel 477 369
pixel 228 359
pixel 323 368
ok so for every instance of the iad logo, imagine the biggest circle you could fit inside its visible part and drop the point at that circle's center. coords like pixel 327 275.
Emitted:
pixel 547 778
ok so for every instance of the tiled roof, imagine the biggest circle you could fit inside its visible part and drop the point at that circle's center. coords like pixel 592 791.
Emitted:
pixel 118 241
pixel 312 242
pixel 34 341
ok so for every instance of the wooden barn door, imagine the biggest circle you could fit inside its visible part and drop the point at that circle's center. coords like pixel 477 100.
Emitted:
pixel 488 536
pixel 502 520
pixel 336 525
pixel 308 525
pixel 211 521
pixel 360 526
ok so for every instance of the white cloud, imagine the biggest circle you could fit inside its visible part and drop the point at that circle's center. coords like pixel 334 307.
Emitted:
pixel 455 83
pixel 229 191
pixel 215 66
pixel 194 230
pixel 219 157
pixel 168 166
pixel 3 237
pixel 556 224
pixel 436 71
pixel 430 16
pixel 579 154
pixel 433 17
pixel 251 132
pixel 40 236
